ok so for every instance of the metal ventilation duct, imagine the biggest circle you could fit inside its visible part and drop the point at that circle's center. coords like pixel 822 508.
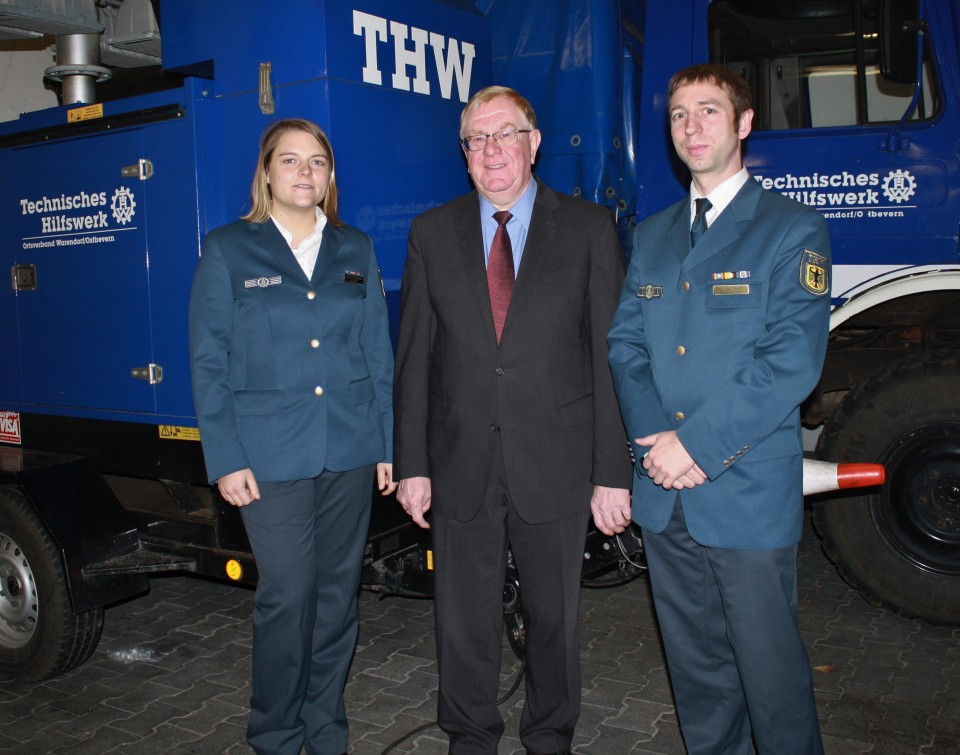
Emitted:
pixel 24 19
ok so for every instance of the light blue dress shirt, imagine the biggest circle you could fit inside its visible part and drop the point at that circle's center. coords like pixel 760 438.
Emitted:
pixel 517 226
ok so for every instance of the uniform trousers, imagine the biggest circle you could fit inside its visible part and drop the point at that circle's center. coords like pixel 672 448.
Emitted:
pixel 471 562
pixel 737 663
pixel 307 538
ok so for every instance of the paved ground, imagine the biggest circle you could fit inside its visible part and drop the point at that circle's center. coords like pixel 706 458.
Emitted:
pixel 171 676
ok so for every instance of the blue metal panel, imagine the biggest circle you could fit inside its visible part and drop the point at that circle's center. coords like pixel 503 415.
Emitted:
pixel 393 126
pixel 228 39
pixel 83 226
pixel 566 57
pixel 386 80
pixel 172 248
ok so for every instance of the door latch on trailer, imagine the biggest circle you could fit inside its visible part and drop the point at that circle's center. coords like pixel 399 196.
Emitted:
pixel 142 170
pixel 152 373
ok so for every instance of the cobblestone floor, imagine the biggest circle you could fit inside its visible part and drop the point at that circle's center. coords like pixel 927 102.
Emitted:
pixel 171 675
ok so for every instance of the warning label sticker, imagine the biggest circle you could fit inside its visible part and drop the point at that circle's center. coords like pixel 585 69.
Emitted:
pixel 176 432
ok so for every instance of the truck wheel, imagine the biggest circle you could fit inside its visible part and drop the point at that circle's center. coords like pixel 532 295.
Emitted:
pixel 40 636
pixel 899 545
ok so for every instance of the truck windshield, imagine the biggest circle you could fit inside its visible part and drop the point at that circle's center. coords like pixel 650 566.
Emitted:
pixel 813 64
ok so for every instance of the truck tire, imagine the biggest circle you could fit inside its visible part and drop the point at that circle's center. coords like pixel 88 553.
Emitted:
pixel 40 636
pixel 899 544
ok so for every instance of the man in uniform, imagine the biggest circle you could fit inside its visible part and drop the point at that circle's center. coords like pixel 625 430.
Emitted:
pixel 720 335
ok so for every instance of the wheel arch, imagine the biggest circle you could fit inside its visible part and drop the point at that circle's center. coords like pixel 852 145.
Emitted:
pixel 83 518
pixel 884 290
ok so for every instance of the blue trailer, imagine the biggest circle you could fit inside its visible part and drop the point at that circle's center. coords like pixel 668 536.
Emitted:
pixel 107 201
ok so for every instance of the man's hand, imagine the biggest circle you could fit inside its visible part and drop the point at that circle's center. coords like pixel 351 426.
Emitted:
pixel 414 495
pixel 385 481
pixel 239 488
pixel 668 463
pixel 611 509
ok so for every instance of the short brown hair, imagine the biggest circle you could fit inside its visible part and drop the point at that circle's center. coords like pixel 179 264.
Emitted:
pixel 734 84
pixel 491 93
pixel 260 194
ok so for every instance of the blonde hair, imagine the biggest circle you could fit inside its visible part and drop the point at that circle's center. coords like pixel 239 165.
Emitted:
pixel 261 197
pixel 491 93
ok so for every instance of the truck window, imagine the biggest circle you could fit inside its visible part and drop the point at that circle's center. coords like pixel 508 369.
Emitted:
pixel 813 63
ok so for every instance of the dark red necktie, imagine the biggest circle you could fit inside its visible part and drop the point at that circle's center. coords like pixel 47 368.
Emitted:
pixel 500 275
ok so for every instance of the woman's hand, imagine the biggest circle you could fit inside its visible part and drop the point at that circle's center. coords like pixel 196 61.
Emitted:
pixel 239 488
pixel 385 481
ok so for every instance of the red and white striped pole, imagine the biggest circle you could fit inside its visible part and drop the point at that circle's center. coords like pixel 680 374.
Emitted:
pixel 823 476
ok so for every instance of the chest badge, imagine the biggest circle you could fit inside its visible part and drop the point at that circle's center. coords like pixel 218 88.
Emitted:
pixel 649 291
pixel 263 282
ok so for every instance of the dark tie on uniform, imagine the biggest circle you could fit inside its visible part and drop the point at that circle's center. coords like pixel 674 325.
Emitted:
pixel 699 226
pixel 500 275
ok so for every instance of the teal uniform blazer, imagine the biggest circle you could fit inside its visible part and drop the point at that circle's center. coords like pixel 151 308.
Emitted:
pixel 722 344
pixel 290 376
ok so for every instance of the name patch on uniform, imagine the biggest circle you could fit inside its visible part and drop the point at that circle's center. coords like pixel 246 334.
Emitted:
pixel 263 282
pixel 732 289
pixel 650 291
pixel 350 276
pixel 814 275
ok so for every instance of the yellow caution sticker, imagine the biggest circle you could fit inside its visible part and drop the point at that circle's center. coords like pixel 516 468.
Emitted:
pixel 234 570
pixel 175 432
pixel 85 113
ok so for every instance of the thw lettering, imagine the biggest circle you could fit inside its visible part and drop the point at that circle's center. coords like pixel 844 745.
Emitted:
pixel 452 59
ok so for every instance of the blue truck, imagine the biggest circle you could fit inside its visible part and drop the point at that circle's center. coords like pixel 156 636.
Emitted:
pixel 109 195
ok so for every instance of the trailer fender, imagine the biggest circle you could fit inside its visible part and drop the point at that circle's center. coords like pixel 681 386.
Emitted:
pixel 83 518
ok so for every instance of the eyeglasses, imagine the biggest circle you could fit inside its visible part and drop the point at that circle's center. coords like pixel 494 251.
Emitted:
pixel 505 138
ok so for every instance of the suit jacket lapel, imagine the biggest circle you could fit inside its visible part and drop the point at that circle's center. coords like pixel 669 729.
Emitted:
pixel 275 245
pixel 329 249
pixel 470 248
pixel 726 229
pixel 679 234
pixel 540 237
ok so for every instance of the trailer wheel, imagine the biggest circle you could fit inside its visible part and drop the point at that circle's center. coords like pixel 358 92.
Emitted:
pixel 899 545
pixel 40 636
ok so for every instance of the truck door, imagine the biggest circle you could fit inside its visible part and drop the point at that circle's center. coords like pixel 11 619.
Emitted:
pixel 878 159
pixel 826 130
pixel 82 297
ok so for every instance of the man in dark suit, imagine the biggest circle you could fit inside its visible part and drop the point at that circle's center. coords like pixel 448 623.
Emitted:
pixel 719 336
pixel 506 423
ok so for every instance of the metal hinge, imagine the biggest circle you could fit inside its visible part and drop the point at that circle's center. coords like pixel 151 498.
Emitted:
pixel 142 170
pixel 265 99
pixel 152 373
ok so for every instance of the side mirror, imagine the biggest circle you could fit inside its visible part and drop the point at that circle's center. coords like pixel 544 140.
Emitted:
pixel 899 24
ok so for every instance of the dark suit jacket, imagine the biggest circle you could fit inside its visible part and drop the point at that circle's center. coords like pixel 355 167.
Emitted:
pixel 546 390
pixel 290 376
pixel 752 350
